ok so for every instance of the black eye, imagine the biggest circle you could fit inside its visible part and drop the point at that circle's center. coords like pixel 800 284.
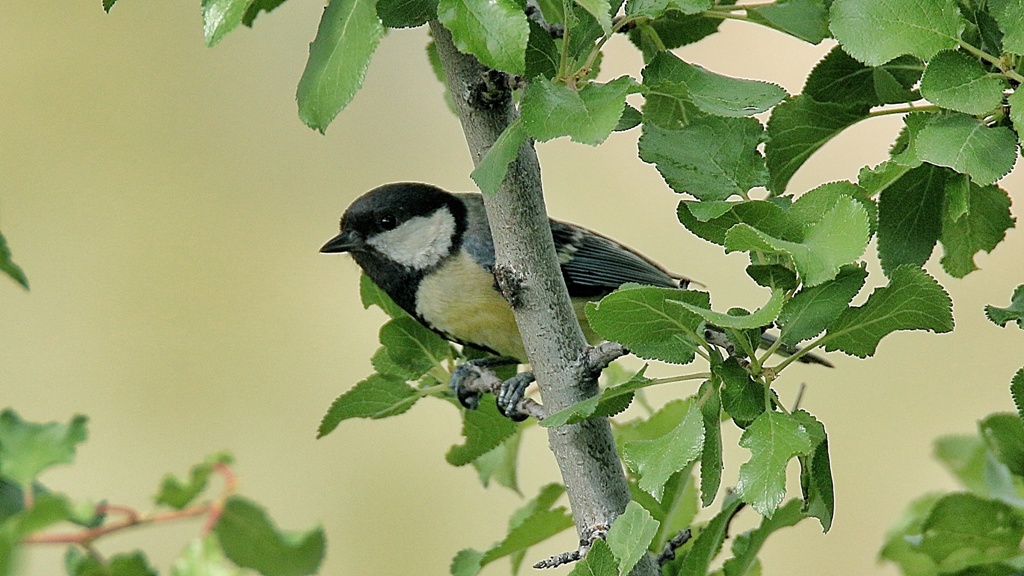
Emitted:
pixel 387 222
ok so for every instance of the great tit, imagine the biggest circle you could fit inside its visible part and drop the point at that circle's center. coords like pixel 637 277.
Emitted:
pixel 431 251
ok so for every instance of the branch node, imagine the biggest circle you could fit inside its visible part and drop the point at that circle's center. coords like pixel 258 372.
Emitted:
pixel 511 282
pixel 597 358
pixel 669 552
pixel 591 535
pixel 492 91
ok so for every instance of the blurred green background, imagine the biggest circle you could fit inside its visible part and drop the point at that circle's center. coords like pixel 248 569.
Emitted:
pixel 167 205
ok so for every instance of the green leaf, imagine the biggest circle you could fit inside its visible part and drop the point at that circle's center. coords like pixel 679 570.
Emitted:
pixel 711 452
pixel 1017 389
pixel 250 540
pixel 773 276
pixel 761 317
pixel 345 41
pixel 838 238
pixel 656 8
pixel 963 529
pixel 610 402
pixel 816 473
pixel 221 17
pixel 964 456
pixel 535 528
pixel 773 439
pixel 812 309
pixel 467 563
pixel 406 13
pixel 672 30
pixel 913 300
pixel 28 448
pixel 841 79
pixel 983 227
pixel 662 422
pixel 812 205
pixel 203 557
pixel 599 561
pixel 542 55
pixel 107 5
pixel 877 179
pixel 177 493
pixel 958 81
pixel 412 346
pixel 1009 14
pixel 1004 434
pixel 712 93
pixel 876 31
pixel 798 127
pixel 500 464
pixel 495 32
pixel 371 295
pixel 901 540
pixel 588 116
pixel 484 429
pixel 803 19
pixel 7 266
pixel 711 158
pixel 742 397
pixel 1012 313
pixel 746 546
pixel 968 146
pixel 128 564
pixel 904 150
pixel 711 220
pixel 657 459
pixel 257 6
pixel 379 396
pixel 707 544
pixel 599 9
pixel 490 173
pixel 47 510
pixel 643 319
pixel 630 535
pixel 910 217
pixel 1016 103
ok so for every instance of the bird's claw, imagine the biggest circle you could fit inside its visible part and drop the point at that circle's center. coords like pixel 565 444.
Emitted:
pixel 463 382
pixel 471 379
pixel 511 394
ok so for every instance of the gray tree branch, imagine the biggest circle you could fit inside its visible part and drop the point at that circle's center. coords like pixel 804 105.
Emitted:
pixel 529 276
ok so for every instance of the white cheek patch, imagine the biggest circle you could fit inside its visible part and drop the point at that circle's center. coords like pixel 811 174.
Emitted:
pixel 419 242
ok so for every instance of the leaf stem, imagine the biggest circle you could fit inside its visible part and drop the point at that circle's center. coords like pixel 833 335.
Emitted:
pixel 903 110
pixel 714 13
pixel 680 378
pixel 1007 70
pixel 86 537
pixel 817 342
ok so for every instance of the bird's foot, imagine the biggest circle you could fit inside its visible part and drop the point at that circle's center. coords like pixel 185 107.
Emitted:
pixel 511 395
pixel 472 379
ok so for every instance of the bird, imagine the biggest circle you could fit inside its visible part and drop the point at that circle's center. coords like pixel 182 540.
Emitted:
pixel 431 251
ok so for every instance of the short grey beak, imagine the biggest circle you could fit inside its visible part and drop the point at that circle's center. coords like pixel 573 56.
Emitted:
pixel 344 242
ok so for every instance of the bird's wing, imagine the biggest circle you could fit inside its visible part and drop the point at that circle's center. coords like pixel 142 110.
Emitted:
pixel 594 265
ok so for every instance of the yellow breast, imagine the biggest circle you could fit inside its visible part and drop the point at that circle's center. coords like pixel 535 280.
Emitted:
pixel 459 299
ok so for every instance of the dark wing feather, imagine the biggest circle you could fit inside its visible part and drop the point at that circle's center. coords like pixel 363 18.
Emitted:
pixel 594 265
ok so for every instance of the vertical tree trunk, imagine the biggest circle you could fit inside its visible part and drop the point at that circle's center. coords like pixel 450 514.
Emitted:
pixel 527 265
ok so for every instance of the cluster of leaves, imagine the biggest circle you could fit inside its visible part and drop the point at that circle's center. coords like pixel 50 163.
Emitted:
pixel 978 530
pixel 950 67
pixel 239 534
